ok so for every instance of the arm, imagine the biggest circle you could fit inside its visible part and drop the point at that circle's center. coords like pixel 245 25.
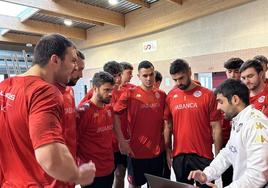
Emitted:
pixel 57 161
pixel 215 169
pixel 216 135
pixel 168 141
pixel 256 145
pixel 123 144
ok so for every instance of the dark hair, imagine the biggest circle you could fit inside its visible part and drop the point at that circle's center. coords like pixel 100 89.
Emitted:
pixel 145 65
pixel 158 76
pixel 101 78
pixel 126 66
pixel 261 58
pixel 49 45
pixel 233 63
pixel 113 68
pixel 256 64
pixel 231 87
pixel 179 66
pixel 80 55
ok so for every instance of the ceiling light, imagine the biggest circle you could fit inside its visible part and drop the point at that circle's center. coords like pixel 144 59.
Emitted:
pixel 113 2
pixel 68 22
pixel 29 45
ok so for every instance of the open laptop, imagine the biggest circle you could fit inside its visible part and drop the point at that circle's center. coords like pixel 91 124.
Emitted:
pixel 158 182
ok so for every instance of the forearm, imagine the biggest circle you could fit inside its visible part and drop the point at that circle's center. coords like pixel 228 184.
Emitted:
pixel 117 129
pixel 217 136
pixel 57 161
pixel 167 134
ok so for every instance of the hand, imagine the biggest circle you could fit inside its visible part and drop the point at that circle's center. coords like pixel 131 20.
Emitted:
pixel 86 173
pixel 169 157
pixel 198 175
pixel 125 148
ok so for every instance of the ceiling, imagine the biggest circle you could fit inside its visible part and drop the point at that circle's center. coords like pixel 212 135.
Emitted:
pixel 96 22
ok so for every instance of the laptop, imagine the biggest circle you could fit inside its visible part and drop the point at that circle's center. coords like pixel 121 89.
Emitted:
pixel 158 182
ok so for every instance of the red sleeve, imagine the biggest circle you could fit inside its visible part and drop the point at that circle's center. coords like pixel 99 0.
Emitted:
pixel 122 102
pixel 215 115
pixel 45 116
pixel 87 97
pixel 167 113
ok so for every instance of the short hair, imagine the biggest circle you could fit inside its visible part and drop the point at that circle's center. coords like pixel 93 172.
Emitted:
pixel 179 66
pixel 233 63
pixel 252 63
pixel 49 45
pixel 158 76
pixel 145 65
pixel 113 68
pixel 126 66
pixel 262 59
pixel 80 54
pixel 231 87
pixel 101 78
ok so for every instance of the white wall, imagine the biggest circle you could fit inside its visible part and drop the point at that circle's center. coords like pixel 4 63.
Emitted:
pixel 238 28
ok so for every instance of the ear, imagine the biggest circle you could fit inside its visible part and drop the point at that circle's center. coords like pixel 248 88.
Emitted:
pixel 54 59
pixel 261 74
pixel 190 72
pixel 138 75
pixel 236 100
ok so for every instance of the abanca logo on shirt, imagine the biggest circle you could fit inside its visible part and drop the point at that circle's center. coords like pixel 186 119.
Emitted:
pixel 8 95
pixel 185 106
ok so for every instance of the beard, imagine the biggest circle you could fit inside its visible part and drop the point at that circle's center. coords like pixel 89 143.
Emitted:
pixel 185 86
pixel 104 100
pixel 72 82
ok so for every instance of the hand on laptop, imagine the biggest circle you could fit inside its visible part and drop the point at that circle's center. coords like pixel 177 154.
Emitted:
pixel 198 175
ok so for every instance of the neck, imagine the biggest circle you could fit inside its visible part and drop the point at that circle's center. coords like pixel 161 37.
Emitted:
pixel 146 88
pixel 258 89
pixel 43 73
pixel 191 86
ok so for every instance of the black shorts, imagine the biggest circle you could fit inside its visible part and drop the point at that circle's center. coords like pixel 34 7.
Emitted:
pixel 183 164
pixel 120 158
pixel 102 182
pixel 137 168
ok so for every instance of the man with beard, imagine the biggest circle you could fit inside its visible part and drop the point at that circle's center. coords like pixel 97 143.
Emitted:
pixel 232 67
pixel 252 77
pixel 69 120
pixel 95 130
pixel 145 108
pixel 191 116
pixel 247 148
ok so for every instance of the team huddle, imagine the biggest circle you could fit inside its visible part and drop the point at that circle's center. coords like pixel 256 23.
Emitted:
pixel 120 128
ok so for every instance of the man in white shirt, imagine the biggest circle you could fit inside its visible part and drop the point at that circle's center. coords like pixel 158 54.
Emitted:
pixel 247 148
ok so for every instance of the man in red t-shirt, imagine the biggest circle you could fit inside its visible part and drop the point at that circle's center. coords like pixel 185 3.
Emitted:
pixel 95 125
pixel 69 120
pixel 32 147
pixel 121 159
pixel 191 116
pixel 145 108
pixel 252 76
pixel 232 67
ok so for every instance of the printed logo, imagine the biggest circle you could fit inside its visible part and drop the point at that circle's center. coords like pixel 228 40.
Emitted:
pixel 157 95
pixel 138 95
pixel 175 96
pixel 197 93
pixel 233 149
pixel 261 99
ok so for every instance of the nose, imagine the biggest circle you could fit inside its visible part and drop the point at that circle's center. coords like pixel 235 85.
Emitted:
pixel 218 106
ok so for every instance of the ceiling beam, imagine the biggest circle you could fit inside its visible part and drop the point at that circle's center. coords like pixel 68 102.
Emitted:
pixel 142 3
pixel 71 18
pixel 42 28
pixel 76 10
pixel 19 39
pixel 176 1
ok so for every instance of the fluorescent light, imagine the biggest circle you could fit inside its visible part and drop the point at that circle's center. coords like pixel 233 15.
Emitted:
pixel 68 22
pixel 113 2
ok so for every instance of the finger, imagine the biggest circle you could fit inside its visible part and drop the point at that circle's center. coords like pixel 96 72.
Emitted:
pixel 190 176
